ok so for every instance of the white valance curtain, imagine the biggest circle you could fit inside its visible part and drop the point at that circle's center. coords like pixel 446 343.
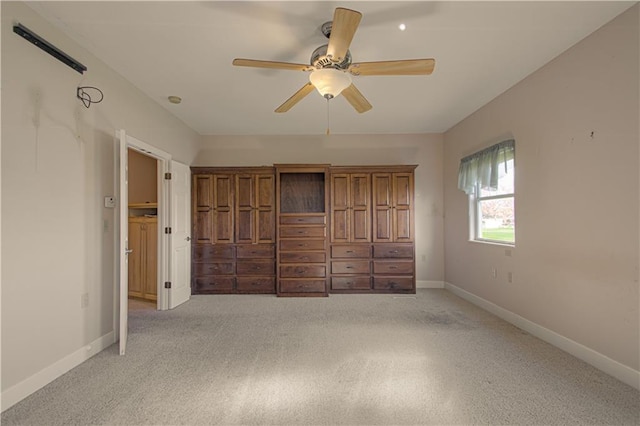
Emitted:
pixel 482 167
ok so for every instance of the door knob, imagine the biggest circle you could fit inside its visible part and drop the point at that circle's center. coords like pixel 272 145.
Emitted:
pixel 188 238
pixel 127 251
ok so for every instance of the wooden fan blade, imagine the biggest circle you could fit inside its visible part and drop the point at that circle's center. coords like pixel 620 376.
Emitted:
pixel 297 97
pixel 406 67
pixel 344 26
pixel 271 64
pixel 355 98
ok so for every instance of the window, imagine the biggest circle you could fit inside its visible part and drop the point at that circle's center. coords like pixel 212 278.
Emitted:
pixel 487 177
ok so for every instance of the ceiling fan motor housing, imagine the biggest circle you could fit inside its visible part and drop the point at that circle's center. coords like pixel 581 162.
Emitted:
pixel 320 59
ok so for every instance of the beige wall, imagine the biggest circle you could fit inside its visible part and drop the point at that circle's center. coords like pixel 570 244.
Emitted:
pixel 575 264
pixel 424 150
pixel 57 167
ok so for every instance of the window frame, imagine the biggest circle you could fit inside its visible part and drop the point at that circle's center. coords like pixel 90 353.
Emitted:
pixel 476 215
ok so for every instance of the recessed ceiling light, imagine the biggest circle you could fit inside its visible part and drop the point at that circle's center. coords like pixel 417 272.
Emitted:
pixel 175 99
pixel 402 27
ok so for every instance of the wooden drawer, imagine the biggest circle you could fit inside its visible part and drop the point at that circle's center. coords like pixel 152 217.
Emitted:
pixel 350 267
pixel 213 284
pixel 255 251
pixel 350 283
pixel 303 257
pixel 208 252
pixel 256 285
pixel 214 268
pixel 256 267
pixel 292 245
pixel 393 251
pixel 303 271
pixel 399 267
pixel 302 220
pixel 302 231
pixel 393 283
pixel 361 250
pixel 302 286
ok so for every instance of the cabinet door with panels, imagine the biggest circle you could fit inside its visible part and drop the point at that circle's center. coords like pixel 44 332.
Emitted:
pixel 223 185
pixel 143 260
pixel 212 208
pixel 202 193
pixel 255 210
pixel 350 207
pixel 393 207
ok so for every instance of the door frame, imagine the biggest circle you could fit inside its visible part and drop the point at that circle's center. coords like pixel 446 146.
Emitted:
pixel 164 160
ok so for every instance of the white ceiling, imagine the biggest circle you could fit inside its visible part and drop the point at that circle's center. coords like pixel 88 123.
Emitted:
pixel 186 48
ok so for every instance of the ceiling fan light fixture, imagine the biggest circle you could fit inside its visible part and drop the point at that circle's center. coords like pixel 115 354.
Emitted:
pixel 330 82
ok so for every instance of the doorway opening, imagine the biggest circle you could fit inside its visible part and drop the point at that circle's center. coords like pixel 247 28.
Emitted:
pixel 144 260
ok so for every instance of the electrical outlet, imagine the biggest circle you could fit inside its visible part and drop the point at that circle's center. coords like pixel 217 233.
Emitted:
pixel 84 300
pixel 510 277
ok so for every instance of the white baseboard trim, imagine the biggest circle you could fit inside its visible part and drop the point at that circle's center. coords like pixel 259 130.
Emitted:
pixel 620 371
pixel 429 284
pixel 28 386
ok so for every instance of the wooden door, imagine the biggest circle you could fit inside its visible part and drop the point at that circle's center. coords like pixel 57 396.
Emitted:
pixel 245 208
pixel 150 262
pixel 203 209
pixel 382 207
pixel 136 258
pixel 223 208
pixel 265 209
pixel 402 207
pixel 360 207
pixel 340 203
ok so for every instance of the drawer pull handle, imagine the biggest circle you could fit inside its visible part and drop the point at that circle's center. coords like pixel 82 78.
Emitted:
pixel 393 267
pixel 393 251
pixel 349 251
pixel 349 267
pixel 304 258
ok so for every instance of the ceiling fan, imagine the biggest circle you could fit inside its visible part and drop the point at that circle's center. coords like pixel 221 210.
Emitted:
pixel 331 67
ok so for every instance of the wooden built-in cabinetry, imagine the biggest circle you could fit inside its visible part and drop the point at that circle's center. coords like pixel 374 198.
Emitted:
pixel 234 230
pixel 372 248
pixel 301 201
pixel 303 230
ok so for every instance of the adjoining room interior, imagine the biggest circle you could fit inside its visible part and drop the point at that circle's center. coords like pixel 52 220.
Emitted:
pixel 143 228
pixel 441 295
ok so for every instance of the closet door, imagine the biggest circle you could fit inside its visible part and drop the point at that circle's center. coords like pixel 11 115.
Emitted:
pixel 360 208
pixel 265 208
pixel 202 191
pixel 136 258
pixel 245 208
pixel 382 207
pixel 223 208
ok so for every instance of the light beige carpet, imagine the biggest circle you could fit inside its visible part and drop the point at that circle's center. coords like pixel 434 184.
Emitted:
pixel 347 359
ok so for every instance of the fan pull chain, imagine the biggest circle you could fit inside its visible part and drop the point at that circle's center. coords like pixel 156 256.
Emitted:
pixel 328 132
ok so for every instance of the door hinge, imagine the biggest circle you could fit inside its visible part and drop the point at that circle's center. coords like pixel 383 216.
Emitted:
pixel 167 176
pixel 167 230
pixel 167 284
